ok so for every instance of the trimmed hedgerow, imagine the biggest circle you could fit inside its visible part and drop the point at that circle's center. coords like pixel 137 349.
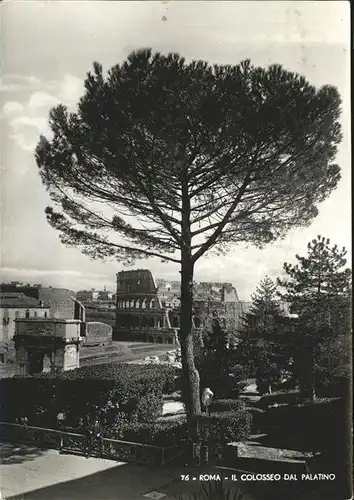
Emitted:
pixel 135 391
pixel 225 427
pixel 159 377
pixel 313 423
pixel 172 433
pixel 149 408
pixel 222 405
pixel 279 398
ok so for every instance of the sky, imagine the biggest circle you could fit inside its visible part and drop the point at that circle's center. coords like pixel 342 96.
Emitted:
pixel 48 47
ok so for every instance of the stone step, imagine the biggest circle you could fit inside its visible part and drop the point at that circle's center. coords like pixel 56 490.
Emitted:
pixel 261 466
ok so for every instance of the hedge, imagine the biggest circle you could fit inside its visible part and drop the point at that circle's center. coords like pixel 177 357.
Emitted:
pixel 217 428
pixel 279 398
pixel 136 391
pixel 166 434
pixel 225 427
pixel 334 387
pixel 317 424
pixel 222 405
pixel 321 426
pixel 159 377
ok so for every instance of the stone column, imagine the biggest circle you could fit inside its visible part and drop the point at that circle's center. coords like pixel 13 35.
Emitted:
pixel 22 367
pixel 71 356
pixel 58 364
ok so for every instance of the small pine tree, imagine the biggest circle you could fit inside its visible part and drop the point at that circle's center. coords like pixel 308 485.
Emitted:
pixel 262 343
pixel 319 290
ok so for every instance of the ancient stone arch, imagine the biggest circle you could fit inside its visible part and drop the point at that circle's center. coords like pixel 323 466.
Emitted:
pixel 48 345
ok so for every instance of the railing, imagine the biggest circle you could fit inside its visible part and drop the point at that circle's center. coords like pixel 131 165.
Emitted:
pixel 113 449
pixel 126 451
pixel 41 436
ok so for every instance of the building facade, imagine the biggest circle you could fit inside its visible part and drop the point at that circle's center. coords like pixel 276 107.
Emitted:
pixel 105 296
pixel 59 300
pixel 95 295
pixel 87 295
pixel 15 306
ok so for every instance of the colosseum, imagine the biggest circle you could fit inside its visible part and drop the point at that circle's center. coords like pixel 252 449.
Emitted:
pixel 147 310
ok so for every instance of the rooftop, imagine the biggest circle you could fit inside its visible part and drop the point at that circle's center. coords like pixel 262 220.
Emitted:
pixel 49 320
pixel 19 301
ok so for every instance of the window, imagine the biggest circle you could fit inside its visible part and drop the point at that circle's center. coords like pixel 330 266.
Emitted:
pixel 6 319
pixel 45 314
pixel 27 313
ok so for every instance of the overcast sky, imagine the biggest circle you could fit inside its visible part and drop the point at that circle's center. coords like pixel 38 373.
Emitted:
pixel 47 48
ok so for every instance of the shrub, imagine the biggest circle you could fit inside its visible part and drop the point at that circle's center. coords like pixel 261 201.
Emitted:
pixel 315 424
pixel 171 378
pixel 149 408
pixel 164 434
pixel 333 387
pixel 27 396
pixel 279 398
pixel 137 389
pixel 220 371
pixel 132 379
pixel 225 427
pixel 223 384
pixel 221 405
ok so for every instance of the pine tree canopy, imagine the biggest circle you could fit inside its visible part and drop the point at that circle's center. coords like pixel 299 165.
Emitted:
pixel 265 320
pixel 319 286
pixel 164 156
pixel 264 300
pixel 320 276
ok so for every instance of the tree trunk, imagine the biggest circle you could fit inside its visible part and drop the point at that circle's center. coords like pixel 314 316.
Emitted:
pixel 191 386
pixel 191 375
pixel 307 389
pixel 307 384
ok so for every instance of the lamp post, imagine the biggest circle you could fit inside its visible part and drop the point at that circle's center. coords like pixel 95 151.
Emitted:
pixel 207 399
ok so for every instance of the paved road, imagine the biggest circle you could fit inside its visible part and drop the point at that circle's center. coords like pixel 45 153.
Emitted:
pixel 134 355
pixel 28 473
pixel 126 353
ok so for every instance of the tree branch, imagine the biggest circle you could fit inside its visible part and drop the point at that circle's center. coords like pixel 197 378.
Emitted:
pixel 224 221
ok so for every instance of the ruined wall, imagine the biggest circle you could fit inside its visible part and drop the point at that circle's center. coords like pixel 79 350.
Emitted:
pixel 98 333
pixel 59 301
pixel 140 281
